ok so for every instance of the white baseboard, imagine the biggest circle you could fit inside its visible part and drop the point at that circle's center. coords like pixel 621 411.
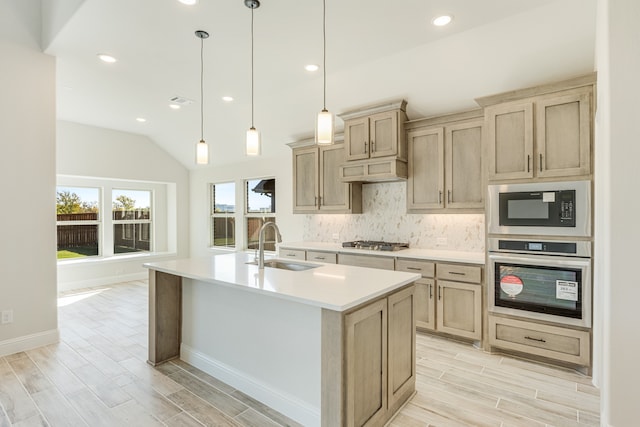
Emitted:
pixel 28 342
pixel 102 281
pixel 288 405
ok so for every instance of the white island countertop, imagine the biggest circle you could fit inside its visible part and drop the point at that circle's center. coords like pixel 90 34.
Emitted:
pixel 426 254
pixel 330 286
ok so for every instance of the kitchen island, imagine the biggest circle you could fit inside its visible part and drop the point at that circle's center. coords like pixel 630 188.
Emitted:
pixel 330 345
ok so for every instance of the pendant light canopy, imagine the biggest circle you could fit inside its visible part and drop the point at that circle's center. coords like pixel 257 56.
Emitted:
pixel 325 121
pixel 202 149
pixel 253 145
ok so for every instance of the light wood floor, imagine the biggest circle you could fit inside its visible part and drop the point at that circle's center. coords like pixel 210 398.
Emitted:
pixel 97 376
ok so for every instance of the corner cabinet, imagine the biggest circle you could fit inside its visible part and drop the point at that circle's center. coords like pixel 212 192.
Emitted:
pixel 316 186
pixel 544 135
pixel 445 163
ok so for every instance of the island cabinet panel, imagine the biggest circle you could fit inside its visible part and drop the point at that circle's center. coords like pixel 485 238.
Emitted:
pixel 402 347
pixel 165 316
pixel 366 361
pixel 425 304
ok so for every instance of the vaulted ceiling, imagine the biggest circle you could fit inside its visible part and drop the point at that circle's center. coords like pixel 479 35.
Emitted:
pixel 377 50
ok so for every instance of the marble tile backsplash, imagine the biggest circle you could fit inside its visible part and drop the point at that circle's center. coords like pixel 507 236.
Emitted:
pixel 384 217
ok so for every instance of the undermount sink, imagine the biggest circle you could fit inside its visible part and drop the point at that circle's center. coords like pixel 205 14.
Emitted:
pixel 285 265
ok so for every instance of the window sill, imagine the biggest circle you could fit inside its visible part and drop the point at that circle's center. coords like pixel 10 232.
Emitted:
pixel 115 258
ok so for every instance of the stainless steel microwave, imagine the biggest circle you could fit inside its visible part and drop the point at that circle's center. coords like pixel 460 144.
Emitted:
pixel 545 209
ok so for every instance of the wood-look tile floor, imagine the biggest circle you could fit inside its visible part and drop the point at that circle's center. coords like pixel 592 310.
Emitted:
pixel 98 376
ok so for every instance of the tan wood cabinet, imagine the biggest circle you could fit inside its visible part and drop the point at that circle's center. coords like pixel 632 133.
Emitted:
pixel 379 359
pixel 322 256
pixel 459 309
pixel 292 253
pixel 316 184
pixel 542 135
pixel 445 163
pixel 370 261
pixel 372 136
pixel 553 342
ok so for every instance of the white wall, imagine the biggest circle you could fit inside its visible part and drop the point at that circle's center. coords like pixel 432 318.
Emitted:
pixel 88 151
pixel 617 230
pixel 280 168
pixel 27 172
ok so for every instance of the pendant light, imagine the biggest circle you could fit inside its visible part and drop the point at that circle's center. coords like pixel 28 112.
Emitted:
pixel 325 121
pixel 253 145
pixel 202 149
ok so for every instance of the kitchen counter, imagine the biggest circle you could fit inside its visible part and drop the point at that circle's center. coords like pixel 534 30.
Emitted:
pixel 427 254
pixel 330 286
pixel 289 339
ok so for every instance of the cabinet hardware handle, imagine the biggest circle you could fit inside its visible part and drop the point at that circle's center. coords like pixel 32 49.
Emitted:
pixel 319 257
pixel 365 147
pixel 457 273
pixel 439 292
pixel 540 162
pixel 373 146
pixel 448 196
pixel 430 291
pixel 535 339
pixel 319 201
pixel 414 268
pixel 440 197
pixel 291 254
pixel 315 201
pixel 528 163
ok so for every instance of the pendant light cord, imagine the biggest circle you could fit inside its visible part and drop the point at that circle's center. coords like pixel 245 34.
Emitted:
pixel 252 68
pixel 324 54
pixel 202 89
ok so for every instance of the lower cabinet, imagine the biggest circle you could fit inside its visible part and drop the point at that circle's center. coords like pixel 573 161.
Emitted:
pixel 460 309
pixel 553 342
pixel 379 356
pixel 425 304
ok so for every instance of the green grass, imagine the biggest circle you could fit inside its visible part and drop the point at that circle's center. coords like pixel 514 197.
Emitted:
pixel 79 252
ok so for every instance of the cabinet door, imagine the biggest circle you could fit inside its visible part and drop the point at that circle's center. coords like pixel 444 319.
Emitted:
pixel 464 178
pixel 305 180
pixel 366 365
pixel 563 135
pixel 335 195
pixel 402 347
pixel 383 134
pixel 425 184
pixel 356 138
pixel 460 309
pixel 510 140
pixel 425 304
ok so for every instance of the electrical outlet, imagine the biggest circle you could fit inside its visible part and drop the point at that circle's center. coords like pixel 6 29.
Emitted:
pixel 335 236
pixel 441 241
pixel 7 317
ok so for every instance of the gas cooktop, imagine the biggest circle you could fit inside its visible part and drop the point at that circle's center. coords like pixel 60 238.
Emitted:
pixel 373 245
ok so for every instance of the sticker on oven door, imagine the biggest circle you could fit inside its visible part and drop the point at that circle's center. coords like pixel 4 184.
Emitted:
pixel 511 285
pixel 567 290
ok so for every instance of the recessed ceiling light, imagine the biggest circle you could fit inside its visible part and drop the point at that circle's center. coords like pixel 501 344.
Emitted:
pixel 189 2
pixel 174 106
pixel 141 119
pixel 227 98
pixel 311 67
pixel 107 58
pixel 443 20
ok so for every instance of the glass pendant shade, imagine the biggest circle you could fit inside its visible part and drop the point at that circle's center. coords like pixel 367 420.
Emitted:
pixel 202 153
pixel 324 128
pixel 254 146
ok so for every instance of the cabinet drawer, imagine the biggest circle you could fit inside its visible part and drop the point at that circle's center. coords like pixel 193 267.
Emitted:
pixel 426 268
pixel 291 253
pixel 327 257
pixel 554 342
pixel 459 273
pixel 384 263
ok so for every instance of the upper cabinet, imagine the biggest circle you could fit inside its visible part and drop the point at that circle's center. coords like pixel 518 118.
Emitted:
pixel 316 185
pixel 375 144
pixel 445 163
pixel 542 132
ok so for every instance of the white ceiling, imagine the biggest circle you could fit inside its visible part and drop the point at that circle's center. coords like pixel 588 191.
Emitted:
pixel 377 50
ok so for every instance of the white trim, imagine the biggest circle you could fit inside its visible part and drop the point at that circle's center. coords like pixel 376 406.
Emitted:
pixel 28 342
pixel 102 281
pixel 287 404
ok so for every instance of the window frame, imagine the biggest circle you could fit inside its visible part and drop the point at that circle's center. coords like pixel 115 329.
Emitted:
pixel 149 221
pixel 97 222
pixel 262 215
pixel 228 215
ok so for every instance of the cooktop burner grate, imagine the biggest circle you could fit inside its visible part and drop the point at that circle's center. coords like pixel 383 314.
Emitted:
pixel 373 245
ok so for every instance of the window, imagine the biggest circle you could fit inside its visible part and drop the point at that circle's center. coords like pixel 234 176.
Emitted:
pixel 131 221
pixel 261 208
pixel 78 221
pixel 223 208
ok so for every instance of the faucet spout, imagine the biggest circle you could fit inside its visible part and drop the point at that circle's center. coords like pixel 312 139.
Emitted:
pixel 261 241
